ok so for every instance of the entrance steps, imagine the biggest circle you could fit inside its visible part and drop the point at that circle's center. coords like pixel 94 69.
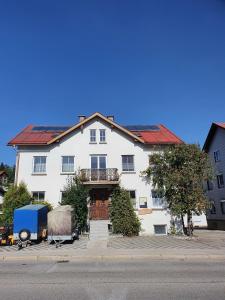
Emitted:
pixel 99 230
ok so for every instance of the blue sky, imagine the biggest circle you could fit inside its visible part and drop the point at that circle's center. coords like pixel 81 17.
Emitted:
pixel 146 62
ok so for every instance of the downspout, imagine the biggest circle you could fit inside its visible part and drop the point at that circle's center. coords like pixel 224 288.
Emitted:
pixel 17 166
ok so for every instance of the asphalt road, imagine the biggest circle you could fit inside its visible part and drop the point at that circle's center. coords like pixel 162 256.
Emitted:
pixel 155 279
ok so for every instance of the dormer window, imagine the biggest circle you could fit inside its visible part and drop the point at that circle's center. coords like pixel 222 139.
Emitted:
pixel 92 135
pixel 102 136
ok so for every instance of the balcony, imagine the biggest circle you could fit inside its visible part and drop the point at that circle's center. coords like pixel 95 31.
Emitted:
pixel 99 176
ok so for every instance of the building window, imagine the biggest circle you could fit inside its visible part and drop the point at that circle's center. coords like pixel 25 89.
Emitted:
pixel 63 196
pixel 209 185
pixel 132 195
pixel 222 205
pixel 157 199
pixel 102 136
pixel 217 155
pixel 92 135
pixel 38 196
pixel 39 164
pixel 68 164
pixel 160 229
pixel 127 163
pixel 143 202
pixel 212 208
pixel 220 181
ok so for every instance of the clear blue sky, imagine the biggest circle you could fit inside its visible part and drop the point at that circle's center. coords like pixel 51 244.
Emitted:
pixel 145 62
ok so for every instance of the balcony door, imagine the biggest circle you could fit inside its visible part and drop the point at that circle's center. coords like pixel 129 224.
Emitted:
pixel 98 167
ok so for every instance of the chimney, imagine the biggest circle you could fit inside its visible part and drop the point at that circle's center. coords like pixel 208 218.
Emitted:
pixel 81 118
pixel 111 118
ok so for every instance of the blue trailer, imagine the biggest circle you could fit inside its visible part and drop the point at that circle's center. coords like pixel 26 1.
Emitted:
pixel 29 222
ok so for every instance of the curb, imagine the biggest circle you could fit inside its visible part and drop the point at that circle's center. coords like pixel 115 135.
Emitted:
pixel 69 258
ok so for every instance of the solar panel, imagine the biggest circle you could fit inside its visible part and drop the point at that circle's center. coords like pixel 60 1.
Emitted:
pixel 142 127
pixel 50 128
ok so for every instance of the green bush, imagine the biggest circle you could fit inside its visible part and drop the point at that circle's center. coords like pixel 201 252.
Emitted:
pixel 43 203
pixel 76 195
pixel 15 197
pixel 122 214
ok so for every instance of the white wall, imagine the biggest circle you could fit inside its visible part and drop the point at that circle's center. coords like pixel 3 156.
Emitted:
pixel 77 144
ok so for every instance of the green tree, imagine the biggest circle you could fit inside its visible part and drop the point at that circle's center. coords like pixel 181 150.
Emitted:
pixel 10 171
pixel 122 214
pixel 15 197
pixel 179 173
pixel 76 195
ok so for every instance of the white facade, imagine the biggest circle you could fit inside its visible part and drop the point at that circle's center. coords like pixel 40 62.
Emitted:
pixel 77 144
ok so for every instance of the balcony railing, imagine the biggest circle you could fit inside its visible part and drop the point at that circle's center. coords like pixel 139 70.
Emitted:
pixel 99 175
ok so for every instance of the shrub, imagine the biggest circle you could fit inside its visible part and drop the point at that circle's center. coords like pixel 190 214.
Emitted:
pixel 76 195
pixel 43 203
pixel 122 214
pixel 15 197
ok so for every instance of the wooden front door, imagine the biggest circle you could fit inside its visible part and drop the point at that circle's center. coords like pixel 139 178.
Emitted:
pixel 99 204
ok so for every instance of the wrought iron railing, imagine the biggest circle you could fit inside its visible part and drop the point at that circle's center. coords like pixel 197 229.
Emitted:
pixel 95 175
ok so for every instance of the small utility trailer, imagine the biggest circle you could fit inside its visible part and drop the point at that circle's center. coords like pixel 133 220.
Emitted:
pixel 29 223
pixel 62 225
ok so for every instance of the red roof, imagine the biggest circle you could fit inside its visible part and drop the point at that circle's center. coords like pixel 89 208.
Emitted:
pixel 220 124
pixel 161 136
pixel 30 136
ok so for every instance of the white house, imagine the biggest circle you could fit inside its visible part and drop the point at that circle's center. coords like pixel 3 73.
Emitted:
pixel 215 147
pixel 106 153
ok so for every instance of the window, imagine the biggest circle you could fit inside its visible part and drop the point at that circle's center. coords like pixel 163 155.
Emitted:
pixel 157 199
pixel 143 202
pixel 217 155
pixel 209 185
pixel 68 164
pixel 220 181
pixel 160 229
pixel 39 164
pixel 133 197
pixel 38 196
pixel 92 135
pixel 222 205
pixel 212 208
pixel 63 195
pixel 102 136
pixel 127 163
pixel 98 161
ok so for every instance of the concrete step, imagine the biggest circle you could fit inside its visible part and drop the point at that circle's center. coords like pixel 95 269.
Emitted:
pixel 99 230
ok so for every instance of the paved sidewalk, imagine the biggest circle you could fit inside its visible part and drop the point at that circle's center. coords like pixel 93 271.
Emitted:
pixel 210 245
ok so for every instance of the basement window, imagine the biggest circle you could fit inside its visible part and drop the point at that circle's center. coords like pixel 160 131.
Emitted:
pixel 160 229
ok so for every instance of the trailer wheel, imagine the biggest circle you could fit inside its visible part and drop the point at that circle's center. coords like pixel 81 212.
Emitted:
pixel 24 235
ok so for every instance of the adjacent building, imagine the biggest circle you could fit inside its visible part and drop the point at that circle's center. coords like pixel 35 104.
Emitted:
pixel 105 154
pixel 215 189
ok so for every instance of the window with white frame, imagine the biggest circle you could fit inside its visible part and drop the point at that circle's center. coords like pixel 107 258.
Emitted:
pixel 143 202
pixel 92 135
pixel 128 163
pixel 38 195
pixel 67 164
pixel 132 194
pixel 157 199
pixel 222 205
pixel 220 181
pixel 102 136
pixel 217 155
pixel 39 164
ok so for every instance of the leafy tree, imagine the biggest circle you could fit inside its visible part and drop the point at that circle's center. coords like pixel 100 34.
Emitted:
pixel 76 194
pixel 179 173
pixel 122 214
pixel 10 171
pixel 15 197
pixel 46 203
